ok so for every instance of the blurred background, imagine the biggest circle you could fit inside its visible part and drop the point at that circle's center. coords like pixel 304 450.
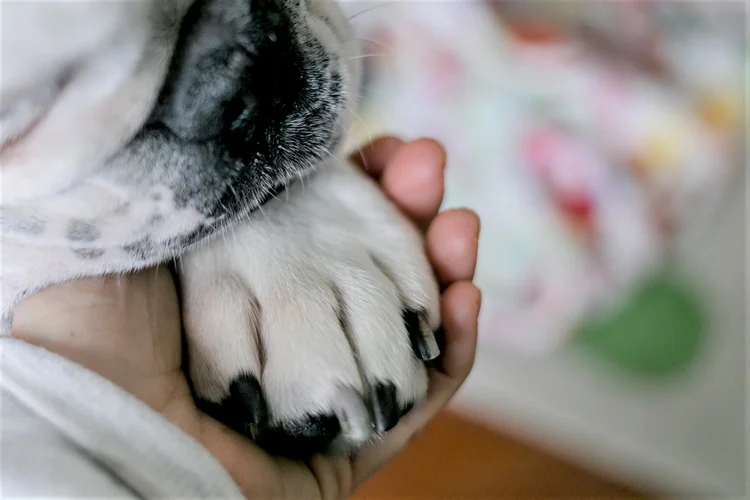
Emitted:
pixel 603 145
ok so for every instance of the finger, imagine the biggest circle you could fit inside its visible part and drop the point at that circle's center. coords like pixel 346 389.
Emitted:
pixel 374 157
pixel 460 303
pixel 452 242
pixel 414 180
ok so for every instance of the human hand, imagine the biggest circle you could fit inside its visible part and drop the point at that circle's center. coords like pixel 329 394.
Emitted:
pixel 128 330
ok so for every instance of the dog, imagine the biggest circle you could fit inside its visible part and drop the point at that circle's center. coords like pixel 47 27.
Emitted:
pixel 210 131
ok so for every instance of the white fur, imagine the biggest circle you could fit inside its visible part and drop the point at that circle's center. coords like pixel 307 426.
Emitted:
pixel 111 58
pixel 275 283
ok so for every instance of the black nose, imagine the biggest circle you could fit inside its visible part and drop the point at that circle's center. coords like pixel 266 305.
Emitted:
pixel 235 62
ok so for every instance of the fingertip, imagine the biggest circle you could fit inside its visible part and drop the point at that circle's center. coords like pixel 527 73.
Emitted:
pixel 431 143
pixel 452 241
pixel 461 303
pixel 426 150
pixel 375 156
pixel 416 185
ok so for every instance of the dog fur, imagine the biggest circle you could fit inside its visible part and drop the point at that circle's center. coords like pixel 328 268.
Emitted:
pixel 134 133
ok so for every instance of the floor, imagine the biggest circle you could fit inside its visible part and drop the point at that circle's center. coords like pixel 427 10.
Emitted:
pixel 456 458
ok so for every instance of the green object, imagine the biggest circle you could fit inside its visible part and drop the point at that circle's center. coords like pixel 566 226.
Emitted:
pixel 657 333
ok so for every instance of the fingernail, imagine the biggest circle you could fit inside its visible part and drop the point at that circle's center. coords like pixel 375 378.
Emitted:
pixel 385 413
pixel 248 401
pixel 353 416
pixel 422 338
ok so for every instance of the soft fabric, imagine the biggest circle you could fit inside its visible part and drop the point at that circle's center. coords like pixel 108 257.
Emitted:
pixel 66 432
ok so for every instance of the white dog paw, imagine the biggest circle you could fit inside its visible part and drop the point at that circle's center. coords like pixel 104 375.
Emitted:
pixel 308 325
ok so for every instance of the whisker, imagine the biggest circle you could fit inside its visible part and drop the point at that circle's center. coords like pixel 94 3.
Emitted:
pixel 364 158
pixel 369 136
pixel 363 56
pixel 234 192
pixel 370 9
pixel 376 42
pixel 302 182
pixel 231 232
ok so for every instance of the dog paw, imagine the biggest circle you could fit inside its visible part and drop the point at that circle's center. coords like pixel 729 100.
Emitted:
pixel 308 324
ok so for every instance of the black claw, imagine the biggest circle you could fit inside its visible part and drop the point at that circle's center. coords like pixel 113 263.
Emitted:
pixel 246 399
pixel 301 439
pixel 422 338
pixel 411 321
pixel 243 410
pixel 385 412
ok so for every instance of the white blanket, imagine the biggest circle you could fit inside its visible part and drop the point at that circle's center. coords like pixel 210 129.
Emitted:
pixel 66 432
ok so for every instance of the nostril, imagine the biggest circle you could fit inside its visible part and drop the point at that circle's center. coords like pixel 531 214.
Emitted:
pixel 241 116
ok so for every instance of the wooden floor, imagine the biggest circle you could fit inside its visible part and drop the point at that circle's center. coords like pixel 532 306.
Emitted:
pixel 455 458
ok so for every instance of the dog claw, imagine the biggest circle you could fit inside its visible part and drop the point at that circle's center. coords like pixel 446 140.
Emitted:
pixel 247 399
pixel 422 337
pixel 385 412
pixel 353 416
